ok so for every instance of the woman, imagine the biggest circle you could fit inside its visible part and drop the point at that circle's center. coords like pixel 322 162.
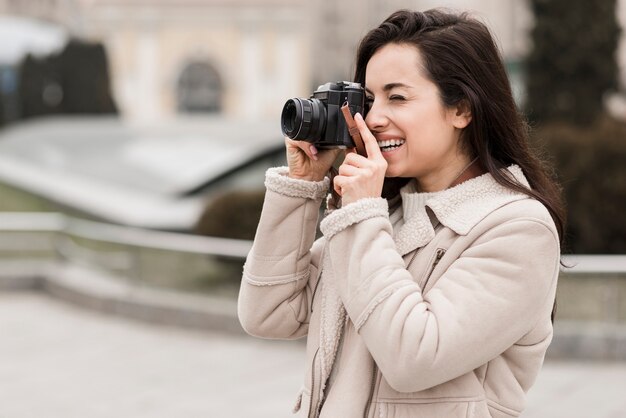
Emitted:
pixel 430 293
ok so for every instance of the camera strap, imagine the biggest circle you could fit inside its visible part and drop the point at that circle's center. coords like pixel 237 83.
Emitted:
pixel 353 129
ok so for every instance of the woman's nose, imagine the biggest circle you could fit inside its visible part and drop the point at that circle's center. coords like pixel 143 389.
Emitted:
pixel 375 119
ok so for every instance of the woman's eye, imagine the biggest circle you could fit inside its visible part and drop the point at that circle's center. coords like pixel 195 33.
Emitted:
pixel 396 97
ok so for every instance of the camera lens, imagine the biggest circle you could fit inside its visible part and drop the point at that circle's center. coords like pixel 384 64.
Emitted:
pixel 303 119
pixel 291 118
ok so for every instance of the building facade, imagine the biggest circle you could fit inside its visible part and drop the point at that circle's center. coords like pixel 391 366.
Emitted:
pixel 244 58
pixel 169 58
pixel 186 57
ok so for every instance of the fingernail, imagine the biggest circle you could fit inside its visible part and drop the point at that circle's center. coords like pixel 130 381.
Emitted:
pixel 313 149
pixel 358 116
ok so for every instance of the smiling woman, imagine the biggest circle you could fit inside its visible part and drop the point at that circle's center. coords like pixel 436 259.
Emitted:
pixel 431 290
pixel 419 137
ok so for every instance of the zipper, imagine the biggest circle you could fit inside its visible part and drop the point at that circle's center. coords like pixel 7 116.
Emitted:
pixel 317 284
pixel 438 256
pixel 371 396
pixel 312 384
pixel 412 258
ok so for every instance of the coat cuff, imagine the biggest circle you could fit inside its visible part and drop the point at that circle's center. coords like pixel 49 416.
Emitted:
pixel 277 180
pixel 353 213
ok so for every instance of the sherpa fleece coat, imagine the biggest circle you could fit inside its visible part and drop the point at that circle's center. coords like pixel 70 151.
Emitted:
pixel 442 312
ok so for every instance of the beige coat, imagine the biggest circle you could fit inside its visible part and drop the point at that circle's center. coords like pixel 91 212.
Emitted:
pixel 445 314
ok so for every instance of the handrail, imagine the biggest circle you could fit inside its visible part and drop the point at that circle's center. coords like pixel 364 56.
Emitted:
pixel 594 263
pixel 123 235
pixel 224 247
pixel 116 260
pixel 31 222
pixel 169 241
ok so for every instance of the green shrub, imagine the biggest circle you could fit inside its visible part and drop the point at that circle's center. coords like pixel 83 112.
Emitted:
pixel 84 72
pixel 573 60
pixel 232 215
pixel 35 76
pixel 75 80
pixel 591 165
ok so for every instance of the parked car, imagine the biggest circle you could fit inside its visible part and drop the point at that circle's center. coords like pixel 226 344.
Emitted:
pixel 160 177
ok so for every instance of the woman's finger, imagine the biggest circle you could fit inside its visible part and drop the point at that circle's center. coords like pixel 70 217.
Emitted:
pixel 338 182
pixel 348 170
pixel 371 146
pixel 306 147
pixel 355 159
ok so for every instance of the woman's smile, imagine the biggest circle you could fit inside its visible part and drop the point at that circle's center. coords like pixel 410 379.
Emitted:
pixel 390 145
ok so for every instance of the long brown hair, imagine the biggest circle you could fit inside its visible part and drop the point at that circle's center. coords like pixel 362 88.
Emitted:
pixel 462 59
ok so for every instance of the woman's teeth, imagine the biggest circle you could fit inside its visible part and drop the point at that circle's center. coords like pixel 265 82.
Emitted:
pixel 390 144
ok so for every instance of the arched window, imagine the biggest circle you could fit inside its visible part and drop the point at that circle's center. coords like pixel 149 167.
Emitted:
pixel 199 89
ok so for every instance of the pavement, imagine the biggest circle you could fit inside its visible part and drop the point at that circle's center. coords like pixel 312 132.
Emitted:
pixel 60 360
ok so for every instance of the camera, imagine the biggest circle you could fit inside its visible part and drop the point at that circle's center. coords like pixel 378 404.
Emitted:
pixel 319 119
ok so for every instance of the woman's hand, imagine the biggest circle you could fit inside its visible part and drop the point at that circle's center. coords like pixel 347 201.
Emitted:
pixel 306 162
pixel 361 177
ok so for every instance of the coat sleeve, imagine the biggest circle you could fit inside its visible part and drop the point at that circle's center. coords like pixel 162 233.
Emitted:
pixel 489 298
pixel 280 272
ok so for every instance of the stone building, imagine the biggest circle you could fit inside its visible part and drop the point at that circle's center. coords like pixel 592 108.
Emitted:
pixel 171 57
pixel 244 58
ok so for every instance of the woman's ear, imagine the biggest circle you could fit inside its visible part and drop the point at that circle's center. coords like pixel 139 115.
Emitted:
pixel 462 114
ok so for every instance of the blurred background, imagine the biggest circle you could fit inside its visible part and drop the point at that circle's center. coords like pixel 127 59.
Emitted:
pixel 133 140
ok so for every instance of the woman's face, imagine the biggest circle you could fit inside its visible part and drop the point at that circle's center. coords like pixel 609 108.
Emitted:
pixel 418 136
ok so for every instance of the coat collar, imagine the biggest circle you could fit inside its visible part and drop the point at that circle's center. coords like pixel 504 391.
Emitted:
pixel 459 208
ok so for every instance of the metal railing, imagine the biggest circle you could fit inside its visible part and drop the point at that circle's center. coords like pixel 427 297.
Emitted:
pixel 98 231
pixel 147 255
pixel 590 264
pixel 166 257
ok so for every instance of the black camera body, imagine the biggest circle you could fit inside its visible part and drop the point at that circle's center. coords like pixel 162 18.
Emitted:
pixel 319 119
